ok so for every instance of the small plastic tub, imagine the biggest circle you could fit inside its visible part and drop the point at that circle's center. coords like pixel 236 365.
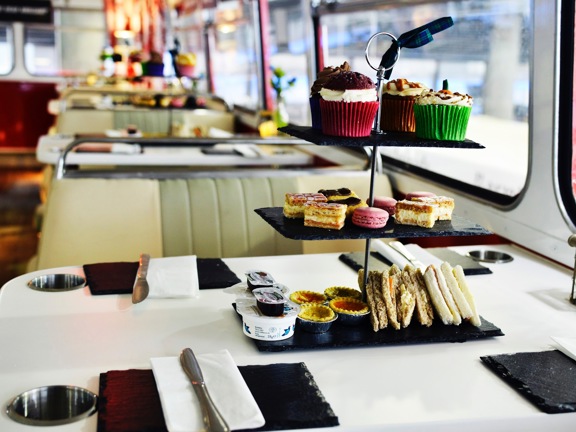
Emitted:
pixel 259 279
pixel 270 301
pixel 57 282
pixel 52 405
pixel 258 326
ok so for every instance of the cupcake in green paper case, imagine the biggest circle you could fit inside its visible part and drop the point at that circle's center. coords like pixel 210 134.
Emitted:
pixel 442 115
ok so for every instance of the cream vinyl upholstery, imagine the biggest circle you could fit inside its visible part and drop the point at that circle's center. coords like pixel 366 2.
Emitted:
pixel 90 220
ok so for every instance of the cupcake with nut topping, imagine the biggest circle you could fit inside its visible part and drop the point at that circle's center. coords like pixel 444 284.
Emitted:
pixel 322 78
pixel 397 105
pixel 442 115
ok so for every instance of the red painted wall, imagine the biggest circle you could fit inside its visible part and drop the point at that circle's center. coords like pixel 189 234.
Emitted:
pixel 24 113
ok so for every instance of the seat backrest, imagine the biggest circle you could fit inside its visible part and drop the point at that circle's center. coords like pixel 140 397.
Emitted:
pixel 91 220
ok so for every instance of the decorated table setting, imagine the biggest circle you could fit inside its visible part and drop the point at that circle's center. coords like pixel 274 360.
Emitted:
pixel 128 354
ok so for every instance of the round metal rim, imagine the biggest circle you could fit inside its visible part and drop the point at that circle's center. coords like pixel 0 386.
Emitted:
pixel 490 256
pixel 17 417
pixel 79 282
pixel 374 36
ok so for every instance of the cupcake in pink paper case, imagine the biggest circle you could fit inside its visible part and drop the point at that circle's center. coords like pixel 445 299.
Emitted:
pixel 322 78
pixel 397 100
pixel 348 105
pixel 442 115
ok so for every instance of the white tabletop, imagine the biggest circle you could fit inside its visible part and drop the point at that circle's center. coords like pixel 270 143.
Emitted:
pixel 71 337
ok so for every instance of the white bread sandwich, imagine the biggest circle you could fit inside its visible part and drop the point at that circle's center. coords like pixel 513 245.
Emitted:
pixel 456 291
pixel 459 275
pixel 437 297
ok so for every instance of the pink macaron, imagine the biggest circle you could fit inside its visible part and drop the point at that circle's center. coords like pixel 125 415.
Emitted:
pixel 370 217
pixel 385 203
pixel 419 194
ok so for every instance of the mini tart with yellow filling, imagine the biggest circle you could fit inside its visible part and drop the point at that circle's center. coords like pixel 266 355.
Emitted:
pixel 349 306
pixel 341 291
pixel 316 312
pixel 304 296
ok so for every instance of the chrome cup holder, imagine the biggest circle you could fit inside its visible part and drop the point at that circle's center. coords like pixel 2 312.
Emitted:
pixel 57 282
pixel 490 256
pixel 52 405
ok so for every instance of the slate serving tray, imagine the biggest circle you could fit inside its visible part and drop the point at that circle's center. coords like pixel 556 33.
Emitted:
pixel 545 378
pixel 355 260
pixel 362 335
pixel 388 139
pixel 294 228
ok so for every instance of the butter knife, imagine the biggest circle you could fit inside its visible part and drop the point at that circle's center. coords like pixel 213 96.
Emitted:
pixel 403 250
pixel 140 289
pixel 212 418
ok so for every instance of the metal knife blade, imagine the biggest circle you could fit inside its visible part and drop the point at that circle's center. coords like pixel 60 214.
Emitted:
pixel 140 289
pixel 402 250
pixel 213 420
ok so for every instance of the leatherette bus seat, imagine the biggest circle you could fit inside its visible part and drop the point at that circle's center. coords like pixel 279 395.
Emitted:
pixel 89 220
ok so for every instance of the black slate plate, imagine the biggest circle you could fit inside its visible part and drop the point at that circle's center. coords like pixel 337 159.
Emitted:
pixel 377 262
pixel 388 139
pixel 544 378
pixel 294 228
pixel 362 335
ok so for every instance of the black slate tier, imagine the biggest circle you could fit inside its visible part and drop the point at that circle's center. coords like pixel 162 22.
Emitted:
pixel 362 335
pixel 294 228
pixel 387 139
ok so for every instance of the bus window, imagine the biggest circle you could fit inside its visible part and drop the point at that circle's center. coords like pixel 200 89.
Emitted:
pixel 71 47
pixel 290 45
pixel 485 54
pixel 6 49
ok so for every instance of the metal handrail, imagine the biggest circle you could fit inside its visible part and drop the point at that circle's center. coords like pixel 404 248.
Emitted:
pixel 169 141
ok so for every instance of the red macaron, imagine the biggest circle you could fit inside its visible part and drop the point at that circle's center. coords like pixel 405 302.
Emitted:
pixel 419 194
pixel 370 217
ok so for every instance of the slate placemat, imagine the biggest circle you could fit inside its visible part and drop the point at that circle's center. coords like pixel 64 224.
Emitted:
pixel 118 277
pixel 294 228
pixel 377 262
pixel 547 378
pixel 286 393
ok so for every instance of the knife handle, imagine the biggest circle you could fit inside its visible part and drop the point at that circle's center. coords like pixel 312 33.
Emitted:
pixel 213 420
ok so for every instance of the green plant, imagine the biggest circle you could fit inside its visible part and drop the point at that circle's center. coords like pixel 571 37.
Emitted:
pixel 279 81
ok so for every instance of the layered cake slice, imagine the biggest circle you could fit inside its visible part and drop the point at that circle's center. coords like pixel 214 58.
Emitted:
pixel 294 203
pixel 324 215
pixel 416 213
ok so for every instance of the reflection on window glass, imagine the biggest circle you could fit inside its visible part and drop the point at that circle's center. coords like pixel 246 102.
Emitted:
pixel 289 44
pixel 485 54
pixel 6 49
pixel 71 47
pixel 235 56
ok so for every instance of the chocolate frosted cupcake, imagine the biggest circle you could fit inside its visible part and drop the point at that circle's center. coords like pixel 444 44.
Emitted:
pixel 349 104
pixel 397 101
pixel 442 115
pixel 322 78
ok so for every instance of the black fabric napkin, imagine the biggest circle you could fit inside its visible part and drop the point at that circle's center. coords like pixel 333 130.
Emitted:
pixel 547 378
pixel 118 277
pixel 286 394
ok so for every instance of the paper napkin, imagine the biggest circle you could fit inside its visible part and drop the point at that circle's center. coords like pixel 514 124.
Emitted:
pixel 395 257
pixel 225 384
pixel 173 277
pixel 566 345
